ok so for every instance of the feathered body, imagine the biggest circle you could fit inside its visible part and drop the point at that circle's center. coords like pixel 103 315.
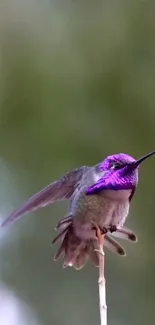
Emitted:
pixel 98 195
pixel 105 208
pixel 108 207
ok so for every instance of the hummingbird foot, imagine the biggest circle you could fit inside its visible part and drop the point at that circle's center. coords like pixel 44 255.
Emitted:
pixel 104 230
pixel 112 228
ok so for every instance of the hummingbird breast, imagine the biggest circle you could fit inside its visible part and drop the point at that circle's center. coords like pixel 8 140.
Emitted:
pixel 102 208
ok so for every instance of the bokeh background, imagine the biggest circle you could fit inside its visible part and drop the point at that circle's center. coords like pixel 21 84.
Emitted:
pixel 77 83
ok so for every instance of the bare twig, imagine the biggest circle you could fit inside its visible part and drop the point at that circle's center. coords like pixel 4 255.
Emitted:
pixel 102 285
pixel 101 281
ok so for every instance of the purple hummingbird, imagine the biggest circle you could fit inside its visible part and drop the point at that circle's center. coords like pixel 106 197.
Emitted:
pixel 100 197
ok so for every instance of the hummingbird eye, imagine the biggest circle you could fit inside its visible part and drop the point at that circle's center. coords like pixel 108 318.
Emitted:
pixel 116 166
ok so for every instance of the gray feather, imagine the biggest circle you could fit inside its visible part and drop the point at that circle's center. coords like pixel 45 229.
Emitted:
pixel 113 245
pixel 125 233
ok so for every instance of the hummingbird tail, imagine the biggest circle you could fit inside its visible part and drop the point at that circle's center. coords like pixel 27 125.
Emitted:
pixel 88 250
pixel 63 223
pixel 113 245
pixel 125 233
pixel 73 249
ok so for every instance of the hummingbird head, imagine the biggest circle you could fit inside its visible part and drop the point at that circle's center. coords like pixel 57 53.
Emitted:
pixel 121 171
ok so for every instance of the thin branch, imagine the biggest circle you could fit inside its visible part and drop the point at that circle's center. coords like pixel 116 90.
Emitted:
pixel 102 285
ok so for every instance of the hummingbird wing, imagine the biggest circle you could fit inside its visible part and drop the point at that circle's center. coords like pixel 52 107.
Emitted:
pixel 61 189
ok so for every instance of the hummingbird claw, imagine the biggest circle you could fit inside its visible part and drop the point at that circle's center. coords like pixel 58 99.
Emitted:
pixel 104 230
pixel 113 228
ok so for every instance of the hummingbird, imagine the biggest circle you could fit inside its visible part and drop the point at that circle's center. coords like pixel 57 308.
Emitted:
pixel 99 199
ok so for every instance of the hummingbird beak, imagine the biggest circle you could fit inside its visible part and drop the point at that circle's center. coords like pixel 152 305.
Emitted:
pixel 135 164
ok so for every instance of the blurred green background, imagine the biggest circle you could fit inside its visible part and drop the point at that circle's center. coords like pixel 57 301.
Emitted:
pixel 77 83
